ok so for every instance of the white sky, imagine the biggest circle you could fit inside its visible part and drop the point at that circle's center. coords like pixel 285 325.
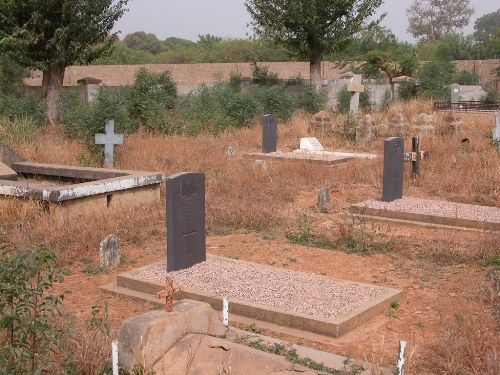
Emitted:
pixel 228 18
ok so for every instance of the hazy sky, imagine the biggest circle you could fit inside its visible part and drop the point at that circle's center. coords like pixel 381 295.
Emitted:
pixel 228 18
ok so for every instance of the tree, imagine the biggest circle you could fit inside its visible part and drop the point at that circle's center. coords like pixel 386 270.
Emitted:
pixel 311 28
pixel 144 42
pixel 487 33
pixel 51 35
pixel 435 19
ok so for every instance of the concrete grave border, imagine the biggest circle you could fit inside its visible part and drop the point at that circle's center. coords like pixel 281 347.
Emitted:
pixel 305 157
pixel 129 285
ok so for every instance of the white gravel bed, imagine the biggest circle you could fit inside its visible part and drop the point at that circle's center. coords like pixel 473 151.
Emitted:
pixel 439 208
pixel 288 290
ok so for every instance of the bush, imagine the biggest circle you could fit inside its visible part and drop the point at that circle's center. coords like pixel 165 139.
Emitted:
pixel 27 107
pixel 24 129
pixel 28 307
pixel 261 76
pixel 408 90
pixel 492 95
pixel 465 77
pixel 313 100
pixel 276 100
pixel 152 96
pixel 435 78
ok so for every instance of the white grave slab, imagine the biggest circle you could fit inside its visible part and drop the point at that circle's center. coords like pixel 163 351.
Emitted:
pixel 310 144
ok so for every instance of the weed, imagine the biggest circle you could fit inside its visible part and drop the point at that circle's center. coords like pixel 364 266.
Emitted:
pixel 95 270
pixel 358 239
pixel 395 305
pixel 305 237
pixel 250 328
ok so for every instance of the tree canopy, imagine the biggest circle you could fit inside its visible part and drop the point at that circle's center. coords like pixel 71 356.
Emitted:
pixel 310 28
pixel 435 19
pixel 51 35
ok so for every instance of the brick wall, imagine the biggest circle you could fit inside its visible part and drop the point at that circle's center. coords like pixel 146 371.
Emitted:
pixel 194 74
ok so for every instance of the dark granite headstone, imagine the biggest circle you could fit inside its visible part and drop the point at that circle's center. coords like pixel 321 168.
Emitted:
pixel 185 220
pixel 393 169
pixel 269 133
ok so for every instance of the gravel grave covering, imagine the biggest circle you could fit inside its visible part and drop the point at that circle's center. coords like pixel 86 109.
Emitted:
pixel 438 208
pixel 288 290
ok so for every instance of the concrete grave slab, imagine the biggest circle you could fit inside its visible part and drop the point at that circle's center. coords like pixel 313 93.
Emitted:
pixel 328 159
pixel 73 192
pixel 430 212
pixel 6 173
pixel 151 279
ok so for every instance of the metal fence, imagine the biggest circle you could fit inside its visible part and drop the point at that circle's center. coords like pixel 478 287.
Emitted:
pixel 466 106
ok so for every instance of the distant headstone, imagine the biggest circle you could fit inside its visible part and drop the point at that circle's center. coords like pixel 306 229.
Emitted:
pixel 323 197
pixel 424 125
pixel 90 88
pixel 365 130
pixel 454 123
pixel 399 125
pixel 269 133
pixel 496 130
pixel 109 252
pixel 109 140
pixel 310 144
pixel 355 87
pixel 455 93
pixel 393 169
pixel 321 122
pixel 186 244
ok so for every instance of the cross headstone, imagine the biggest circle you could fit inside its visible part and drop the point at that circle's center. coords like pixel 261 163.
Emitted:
pixel 269 133
pixel 168 294
pixel 109 252
pixel 496 130
pixel 355 87
pixel 185 220
pixel 455 94
pixel 394 158
pixel 310 144
pixel 109 140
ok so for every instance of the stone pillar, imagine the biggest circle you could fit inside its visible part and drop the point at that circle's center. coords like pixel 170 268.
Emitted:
pixel 455 93
pixel 90 87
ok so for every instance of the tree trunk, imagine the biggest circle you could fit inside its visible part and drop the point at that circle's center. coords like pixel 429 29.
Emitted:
pixel 315 70
pixel 52 81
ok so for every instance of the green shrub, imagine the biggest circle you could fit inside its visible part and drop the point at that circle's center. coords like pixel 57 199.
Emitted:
pixel 408 90
pixel 313 100
pixel 28 306
pixel 151 96
pixel 261 76
pixel 242 108
pixel 275 100
pixel 435 78
pixel 27 107
pixel 492 95
pixel 465 77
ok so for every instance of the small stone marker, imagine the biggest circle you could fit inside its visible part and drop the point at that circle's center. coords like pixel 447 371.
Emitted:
pixel 496 130
pixel 225 311
pixel 365 130
pixel 186 244
pixel 321 122
pixel 399 125
pixel 109 252
pixel 394 158
pixel 355 87
pixel 269 133
pixel 323 197
pixel 424 125
pixel 310 144
pixel 393 169
pixel 455 94
pixel 109 140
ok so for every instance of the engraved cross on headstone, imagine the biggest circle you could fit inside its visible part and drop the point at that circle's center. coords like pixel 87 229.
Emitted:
pixel 109 140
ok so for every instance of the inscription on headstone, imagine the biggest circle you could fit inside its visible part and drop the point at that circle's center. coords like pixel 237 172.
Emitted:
pixel 269 133
pixel 109 140
pixel 109 252
pixel 393 169
pixel 185 220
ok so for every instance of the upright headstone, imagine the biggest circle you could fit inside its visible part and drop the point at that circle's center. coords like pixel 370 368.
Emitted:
pixel 321 122
pixel 365 130
pixel 185 220
pixel 424 125
pixel 269 133
pixel 109 252
pixel 393 169
pixel 496 130
pixel 109 140
pixel 454 122
pixel 455 93
pixel 310 144
pixel 399 125
pixel 355 87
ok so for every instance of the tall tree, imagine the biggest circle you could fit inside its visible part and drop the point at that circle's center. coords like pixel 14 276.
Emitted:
pixel 50 35
pixel 435 19
pixel 311 28
pixel 144 42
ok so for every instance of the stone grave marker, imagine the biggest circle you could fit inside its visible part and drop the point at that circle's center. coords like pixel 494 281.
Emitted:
pixel 323 197
pixel 455 93
pixel 355 88
pixel 424 125
pixel 496 130
pixel 186 244
pixel 394 158
pixel 365 130
pixel 454 122
pixel 310 144
pixel 321 122
pixel 399 125
pixel 109 252
pixel 109 140
pixel 269 133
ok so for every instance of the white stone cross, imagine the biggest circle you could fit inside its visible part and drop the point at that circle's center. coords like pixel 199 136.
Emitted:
pixel 109 140
pixel 355 87
pixel 496 130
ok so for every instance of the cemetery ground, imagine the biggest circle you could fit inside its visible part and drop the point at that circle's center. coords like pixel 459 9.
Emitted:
pixel 450 310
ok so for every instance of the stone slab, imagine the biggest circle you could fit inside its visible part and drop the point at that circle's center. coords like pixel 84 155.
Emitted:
pixel 7 173
pixel 431 212
pixel 311 158
pixel 333 327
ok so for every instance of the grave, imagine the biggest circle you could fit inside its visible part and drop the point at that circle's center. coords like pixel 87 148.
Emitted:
pixel 109 252
pixel 90 89
pixel 185 220
pixel 424 125
pixel 312 145
pixel 68 192
pixel 454 123
pixel 321 123
pixel 323 197
pixel 109 140
pixel 365 131
pixel 269 133
pixel 399 125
